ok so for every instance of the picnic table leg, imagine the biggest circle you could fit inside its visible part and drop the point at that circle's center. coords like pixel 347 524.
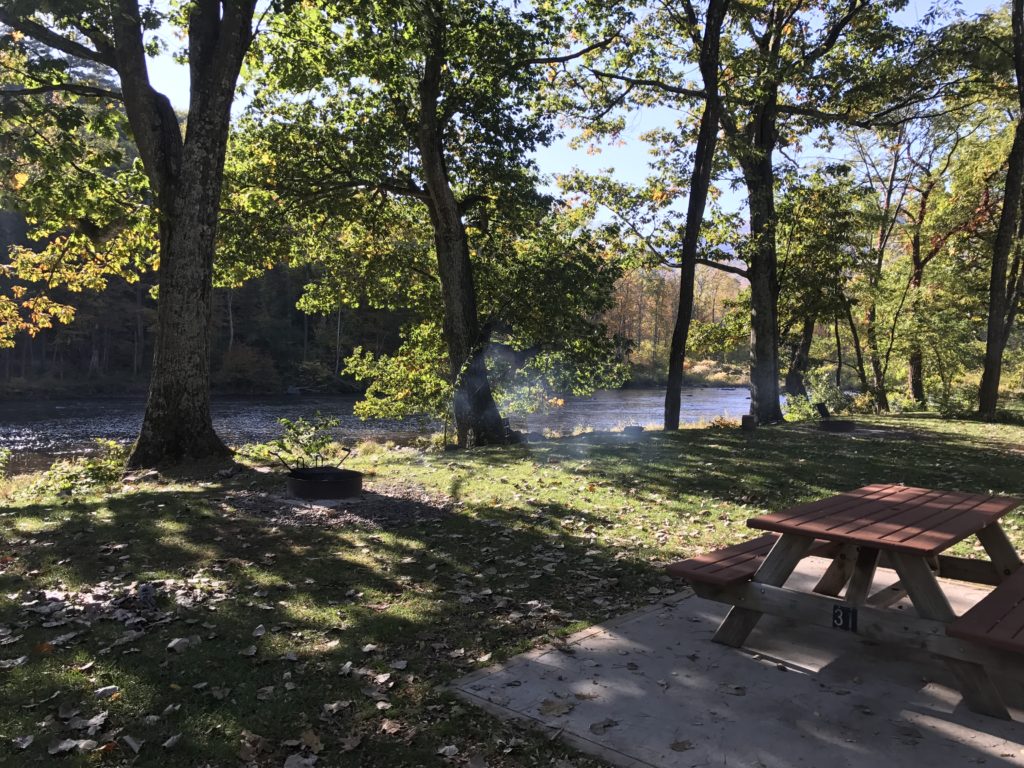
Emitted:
pixel 838 573
pixel 776 568
pixel 980 693
pixel 863 576
pixel 1000 550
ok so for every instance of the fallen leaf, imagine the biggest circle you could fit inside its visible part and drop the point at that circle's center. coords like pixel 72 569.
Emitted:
pixel 12 663
pixel 106 691
pixel 178 644
pixel 399 664
pixel 682 746
pixel 369 648
pixel 311 740
pixel 133 744
pixel 350 742
pixel 260 631
pixel 248 651
pixel 23 742
pixel 603 725
pixel 390 726
pixel 300 761
pixel 448 751
pixel 172 742
pixel 555 707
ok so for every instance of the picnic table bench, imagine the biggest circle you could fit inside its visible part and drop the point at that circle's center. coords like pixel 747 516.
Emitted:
pixel 907 529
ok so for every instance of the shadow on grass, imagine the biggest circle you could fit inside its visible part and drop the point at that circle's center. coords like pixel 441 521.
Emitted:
pixel 411 606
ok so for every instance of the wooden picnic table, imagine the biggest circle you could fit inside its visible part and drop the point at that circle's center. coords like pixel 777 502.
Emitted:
pixel 909 530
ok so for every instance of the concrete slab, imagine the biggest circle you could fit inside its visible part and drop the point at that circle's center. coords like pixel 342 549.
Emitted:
pixel 651 689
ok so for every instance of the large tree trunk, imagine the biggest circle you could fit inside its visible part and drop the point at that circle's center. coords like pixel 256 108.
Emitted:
pixel 1002 298
pixel 858 354
pixel 707 140
pixel 187 177
pixel 759 175
pixel 795 384
pixel 477 420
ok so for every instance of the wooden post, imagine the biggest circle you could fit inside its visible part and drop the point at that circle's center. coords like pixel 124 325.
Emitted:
pixel 776 568
pixel 930 602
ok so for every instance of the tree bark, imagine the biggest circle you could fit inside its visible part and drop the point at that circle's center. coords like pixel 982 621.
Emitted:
pixel 186 176
pixel 1003 297
pixel 858 354
pixel 915 360
pixel 759 176
pixel 795 384
pixel 477 420
pixel 700 181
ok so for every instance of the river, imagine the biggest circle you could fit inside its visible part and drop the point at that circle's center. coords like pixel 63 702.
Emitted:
pixel 58 427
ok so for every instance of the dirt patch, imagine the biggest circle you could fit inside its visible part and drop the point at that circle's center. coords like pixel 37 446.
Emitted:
pixel 380 506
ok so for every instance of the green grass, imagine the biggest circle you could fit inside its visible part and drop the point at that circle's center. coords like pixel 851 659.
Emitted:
pixel 540 541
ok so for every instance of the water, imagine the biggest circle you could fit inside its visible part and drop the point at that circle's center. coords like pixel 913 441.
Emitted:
pixel 57 427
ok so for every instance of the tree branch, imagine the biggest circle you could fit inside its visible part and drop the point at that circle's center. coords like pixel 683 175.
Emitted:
pixel 659 84
pixel 50 38
pixel 723 267
pixel 76 88
pixel 570 56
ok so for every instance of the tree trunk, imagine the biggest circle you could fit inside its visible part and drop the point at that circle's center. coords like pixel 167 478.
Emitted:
pixel 839 352
pixel 477 420
pixel 1000 308
pixel 915 360
pixel 858 354
pixel 759 175
pixel 878 390
pixel 177 423
pixel 801 358
pixel 187 176
pixel 703 162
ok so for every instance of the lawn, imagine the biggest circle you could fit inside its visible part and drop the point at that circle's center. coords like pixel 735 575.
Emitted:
pixel 207 622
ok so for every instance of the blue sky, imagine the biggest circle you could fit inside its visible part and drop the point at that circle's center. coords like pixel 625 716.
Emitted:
pixel 629 157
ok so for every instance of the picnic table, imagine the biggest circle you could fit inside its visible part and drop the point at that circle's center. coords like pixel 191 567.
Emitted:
pixel 903 528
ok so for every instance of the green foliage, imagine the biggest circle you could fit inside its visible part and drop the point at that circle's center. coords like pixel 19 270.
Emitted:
pixel 304 442
pixel 409 383
pixel 100 471
pixel 5 459
pixel 67 163
pixel 821 386
pixel 800 408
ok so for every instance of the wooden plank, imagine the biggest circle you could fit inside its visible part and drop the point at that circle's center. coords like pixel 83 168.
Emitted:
pixel 967 569
pixel 836 510
pixel 882 625
pixel 911 520
pixel 958 527
pixel 890 595
pixel 832 504
pixel 863 576
pixel 924 591
pixel 776 568
pixel 838 573
pixel 1000 550
pixel 997 620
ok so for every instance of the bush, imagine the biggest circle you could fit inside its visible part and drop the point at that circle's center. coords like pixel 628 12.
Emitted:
pixel 822 388
pixel 799 408
pixel 5 459
pixel 863 402
pixel 99 471
pixel 901 403
pixel 956 401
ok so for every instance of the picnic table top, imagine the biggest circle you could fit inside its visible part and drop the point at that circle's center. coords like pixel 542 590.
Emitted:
pixel 901 518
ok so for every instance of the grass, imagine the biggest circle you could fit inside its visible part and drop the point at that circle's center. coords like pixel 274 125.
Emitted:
pixel 537 541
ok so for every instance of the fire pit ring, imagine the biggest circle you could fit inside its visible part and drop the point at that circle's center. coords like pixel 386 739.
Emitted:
pixel 324 483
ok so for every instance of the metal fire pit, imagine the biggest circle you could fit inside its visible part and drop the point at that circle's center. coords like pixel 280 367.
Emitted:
pixel 324 483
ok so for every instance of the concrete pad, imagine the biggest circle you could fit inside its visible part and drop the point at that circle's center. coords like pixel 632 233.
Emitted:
pixel 651 689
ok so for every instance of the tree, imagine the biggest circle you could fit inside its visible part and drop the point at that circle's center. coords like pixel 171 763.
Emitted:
pixel 1006 282
pixel 427 101
pixel 184 172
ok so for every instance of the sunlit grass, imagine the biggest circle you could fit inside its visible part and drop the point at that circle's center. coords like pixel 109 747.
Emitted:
pixel 540 540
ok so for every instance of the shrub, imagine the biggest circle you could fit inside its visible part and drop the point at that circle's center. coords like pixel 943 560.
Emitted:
pixel 800 408
pixel 822 388
pixel 99 471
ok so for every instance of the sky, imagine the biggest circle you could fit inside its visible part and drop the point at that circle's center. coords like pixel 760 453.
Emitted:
pixel 629 157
